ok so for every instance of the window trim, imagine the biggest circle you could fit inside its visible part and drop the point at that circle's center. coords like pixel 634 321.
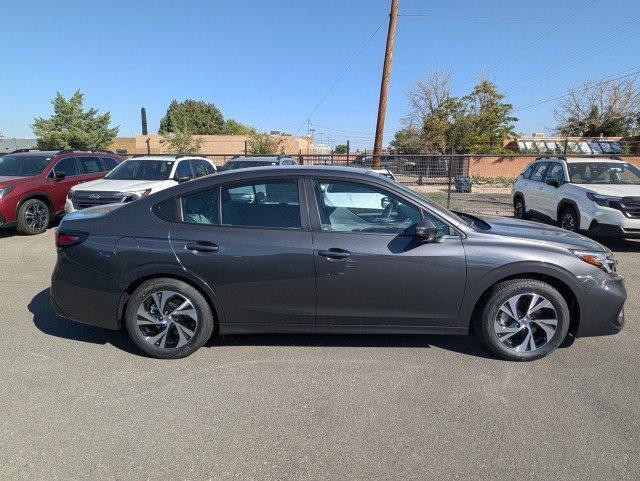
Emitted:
pixel 314 213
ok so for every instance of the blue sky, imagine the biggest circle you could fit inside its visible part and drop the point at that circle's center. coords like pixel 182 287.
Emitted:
pixel 268 63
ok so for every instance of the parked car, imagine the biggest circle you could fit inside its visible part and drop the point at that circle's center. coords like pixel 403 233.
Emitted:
pixel 136 178
pixel 34 183
pixel 463 183
pixel 260 161
pixel 598 196
pixel 203 258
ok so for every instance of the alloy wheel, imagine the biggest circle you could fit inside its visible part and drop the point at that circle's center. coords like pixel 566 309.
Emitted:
pixel 167 319
pixel 568 222
pixel 36 217
pixel 525 322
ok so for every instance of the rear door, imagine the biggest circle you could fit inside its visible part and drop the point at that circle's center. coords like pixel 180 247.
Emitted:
pixel 254 250
pixel 370 270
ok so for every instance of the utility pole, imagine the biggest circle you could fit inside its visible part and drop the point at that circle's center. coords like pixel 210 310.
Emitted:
pixel 384 83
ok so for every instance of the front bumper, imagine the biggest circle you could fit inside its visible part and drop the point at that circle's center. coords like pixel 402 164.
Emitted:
pixel 601 306
pixel 608 222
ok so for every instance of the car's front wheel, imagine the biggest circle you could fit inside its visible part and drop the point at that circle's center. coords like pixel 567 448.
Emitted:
pixel 569 219
pixel 168 318
pixel 523 320
pixel 519 210
pixel 33 217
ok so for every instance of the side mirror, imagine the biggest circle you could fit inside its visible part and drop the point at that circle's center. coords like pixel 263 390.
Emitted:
pixel 181 180
pixel 58 176
pixel 426 231
pixel 553 182
pixel 384 202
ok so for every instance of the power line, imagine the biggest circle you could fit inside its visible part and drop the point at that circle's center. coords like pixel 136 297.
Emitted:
pixel 344 131
pixel 537 39
pixel 535 103
pixel 528 19
pixel 344 72
pixel 584 47
pixel 576 63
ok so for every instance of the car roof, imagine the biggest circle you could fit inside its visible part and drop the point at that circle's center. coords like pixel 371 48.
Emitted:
pixel 573 160
pixel 154 158
pixel 33 153
pixel 265 158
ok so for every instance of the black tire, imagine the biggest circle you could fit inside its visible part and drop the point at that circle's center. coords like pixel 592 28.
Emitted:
pixel 34 217
pixel 569 219
pixel 202 331
pixel 519 208
pixel 483 325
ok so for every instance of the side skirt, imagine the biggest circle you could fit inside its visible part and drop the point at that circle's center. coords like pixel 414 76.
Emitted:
pixel 242 328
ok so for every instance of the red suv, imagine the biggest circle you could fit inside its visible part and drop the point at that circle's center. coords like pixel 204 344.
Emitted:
pixel 34 183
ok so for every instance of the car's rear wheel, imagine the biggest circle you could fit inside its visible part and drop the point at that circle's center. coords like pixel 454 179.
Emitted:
pixel 33 217
pixel 168 318
pixel 519 208
pixel 523 320
pixel 569 219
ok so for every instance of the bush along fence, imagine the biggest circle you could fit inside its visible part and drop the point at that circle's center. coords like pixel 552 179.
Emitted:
pixel 479 184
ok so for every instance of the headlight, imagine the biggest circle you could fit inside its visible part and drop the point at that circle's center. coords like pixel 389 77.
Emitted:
pixel 603 260
pixel 138 194
pixel 5 190
pixel 603 200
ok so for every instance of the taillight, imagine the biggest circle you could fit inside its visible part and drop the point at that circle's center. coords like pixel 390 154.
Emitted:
pixel 67 239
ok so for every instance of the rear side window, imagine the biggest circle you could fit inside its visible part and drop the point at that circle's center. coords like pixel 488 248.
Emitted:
pixel 201 207
pixel 90 165
pixel 108 163
pixel 539 172
pixel 273 203
pixel 67 166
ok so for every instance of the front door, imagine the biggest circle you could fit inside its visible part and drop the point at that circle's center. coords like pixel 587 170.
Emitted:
pixel 251 244
pixel 370 270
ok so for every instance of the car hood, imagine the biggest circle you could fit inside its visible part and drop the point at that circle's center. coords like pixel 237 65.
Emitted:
pixel 6 180
pixel 534 231
pixel 108 185
pixel 613 190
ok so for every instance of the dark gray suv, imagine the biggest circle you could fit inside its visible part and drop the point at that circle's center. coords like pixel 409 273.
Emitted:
pixel 327 250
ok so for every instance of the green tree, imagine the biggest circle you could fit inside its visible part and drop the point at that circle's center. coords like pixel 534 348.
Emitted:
pixel 233 127
pixel 181 142
pixel 261 143
pixel 340 149
pixel 72 127
pixel 196 116
pixel 407 140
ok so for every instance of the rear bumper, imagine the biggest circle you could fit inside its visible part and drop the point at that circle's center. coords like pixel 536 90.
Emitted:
pixel 602 306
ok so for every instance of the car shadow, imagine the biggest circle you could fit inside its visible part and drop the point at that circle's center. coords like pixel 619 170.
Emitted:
pixel 467 345
pixel 621 245
pixel 48 322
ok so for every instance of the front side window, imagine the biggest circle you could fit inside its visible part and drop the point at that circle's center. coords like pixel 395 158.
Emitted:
pixel 199 168
pixel 22 165
pixel 183 170
pixel 141 169
pixel 67 166
pixel 272 203
pixel 353 207
pixel 201 207
pixel 108 163
pixel 91 165
pixel 539 172
pixel 556 172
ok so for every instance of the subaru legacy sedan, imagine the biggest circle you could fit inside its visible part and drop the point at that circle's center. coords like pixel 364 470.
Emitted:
pixel 295 250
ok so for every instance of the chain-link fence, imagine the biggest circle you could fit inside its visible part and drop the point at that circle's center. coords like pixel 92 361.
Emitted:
pixel 479 184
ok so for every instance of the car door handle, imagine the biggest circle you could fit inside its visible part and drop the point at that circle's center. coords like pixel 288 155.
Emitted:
pixel 202 246
pixel 335 253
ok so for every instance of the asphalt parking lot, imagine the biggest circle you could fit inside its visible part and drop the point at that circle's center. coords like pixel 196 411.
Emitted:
pixel 79 402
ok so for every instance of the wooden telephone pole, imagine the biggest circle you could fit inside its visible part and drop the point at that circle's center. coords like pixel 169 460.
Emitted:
pixel 384 84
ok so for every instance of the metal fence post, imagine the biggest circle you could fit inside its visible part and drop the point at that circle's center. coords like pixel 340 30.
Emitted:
pixel 449 178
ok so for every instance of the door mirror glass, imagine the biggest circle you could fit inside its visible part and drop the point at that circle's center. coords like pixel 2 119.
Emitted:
pixel 426 231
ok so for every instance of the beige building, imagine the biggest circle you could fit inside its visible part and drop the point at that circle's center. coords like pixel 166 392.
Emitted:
pixel 211 144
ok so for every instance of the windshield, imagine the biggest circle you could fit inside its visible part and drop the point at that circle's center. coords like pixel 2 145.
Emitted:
pixel 143 169
pixel 604 173
pixel 22 165
pixel 244 164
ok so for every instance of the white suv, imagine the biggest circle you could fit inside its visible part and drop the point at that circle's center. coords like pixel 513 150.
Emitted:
pixel 136 178
pixel 600 196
